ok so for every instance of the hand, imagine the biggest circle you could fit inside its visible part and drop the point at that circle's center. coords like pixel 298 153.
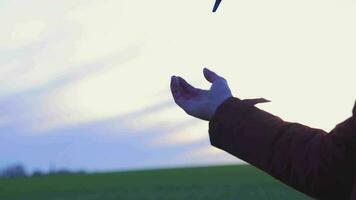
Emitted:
pixel 200 103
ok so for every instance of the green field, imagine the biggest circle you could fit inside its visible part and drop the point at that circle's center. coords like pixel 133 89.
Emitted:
pixel 207 183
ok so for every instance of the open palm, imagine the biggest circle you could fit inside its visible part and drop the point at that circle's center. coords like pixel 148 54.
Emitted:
pixel 197 102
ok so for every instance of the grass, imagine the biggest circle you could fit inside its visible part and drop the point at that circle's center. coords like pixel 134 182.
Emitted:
pixel 209 183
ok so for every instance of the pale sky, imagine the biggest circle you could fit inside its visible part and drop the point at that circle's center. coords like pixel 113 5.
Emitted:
pixel 85 83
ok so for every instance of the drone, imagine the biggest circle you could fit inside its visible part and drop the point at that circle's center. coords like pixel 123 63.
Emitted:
pixel 217 3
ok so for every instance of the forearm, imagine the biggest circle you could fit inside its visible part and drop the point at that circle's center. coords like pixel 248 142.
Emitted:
pixel 302 157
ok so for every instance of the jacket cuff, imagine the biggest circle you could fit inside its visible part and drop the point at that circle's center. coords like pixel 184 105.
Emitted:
pixel 229 114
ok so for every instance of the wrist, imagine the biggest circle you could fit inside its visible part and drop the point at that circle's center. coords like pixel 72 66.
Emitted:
pixel 218 105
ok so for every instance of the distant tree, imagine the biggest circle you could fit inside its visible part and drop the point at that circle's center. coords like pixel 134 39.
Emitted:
pixel 81 171
pixel 13 171
pixel 38 173
pixel 64 171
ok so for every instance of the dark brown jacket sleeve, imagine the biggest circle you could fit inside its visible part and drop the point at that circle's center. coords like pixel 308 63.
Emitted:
pixel 307 159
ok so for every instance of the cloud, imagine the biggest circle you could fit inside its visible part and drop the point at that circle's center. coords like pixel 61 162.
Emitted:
pixel 205 153
pixel 183 136
pixel 88 81
pixel 63 78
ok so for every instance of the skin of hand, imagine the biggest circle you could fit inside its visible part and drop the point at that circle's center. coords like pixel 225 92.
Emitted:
pixel 200 103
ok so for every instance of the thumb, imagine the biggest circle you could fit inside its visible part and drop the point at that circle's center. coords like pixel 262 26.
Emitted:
pixel 210 75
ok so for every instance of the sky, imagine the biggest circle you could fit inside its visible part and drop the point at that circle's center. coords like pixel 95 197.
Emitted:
pixel 84 84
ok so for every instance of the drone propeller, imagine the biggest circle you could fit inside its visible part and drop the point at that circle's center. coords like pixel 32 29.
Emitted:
pixel 217 3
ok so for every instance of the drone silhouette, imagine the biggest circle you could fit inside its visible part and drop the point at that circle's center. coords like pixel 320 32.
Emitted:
pixel 217 3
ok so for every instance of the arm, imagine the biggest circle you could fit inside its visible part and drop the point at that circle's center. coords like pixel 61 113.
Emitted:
pixel 311 161
pixel 307 159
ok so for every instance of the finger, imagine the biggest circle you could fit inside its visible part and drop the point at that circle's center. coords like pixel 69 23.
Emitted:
pixel 210 75
pixel 185 85
pixel 172 85
pixel 176 90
